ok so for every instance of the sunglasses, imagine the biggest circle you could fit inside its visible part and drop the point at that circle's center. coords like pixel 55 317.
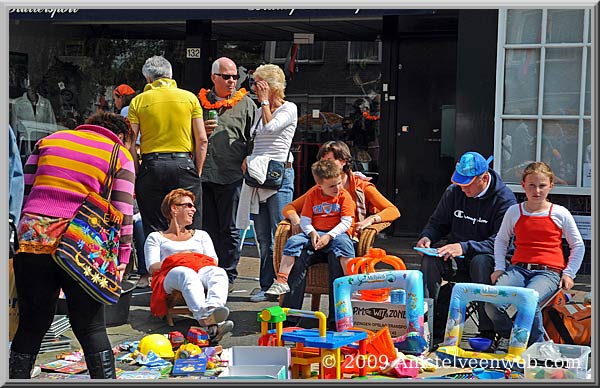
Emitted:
pixel 189 205
pixel 227 76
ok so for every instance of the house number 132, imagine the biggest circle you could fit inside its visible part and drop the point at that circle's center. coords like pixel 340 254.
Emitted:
pixel 193 52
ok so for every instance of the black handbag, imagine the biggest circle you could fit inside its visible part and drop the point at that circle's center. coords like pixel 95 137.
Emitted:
pixel 275 172
pixel 274 177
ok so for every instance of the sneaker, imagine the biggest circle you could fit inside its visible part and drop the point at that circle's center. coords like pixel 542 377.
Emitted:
pixel 258 297
pixel 213 316
pixel 278 288
pixel 216 332
pixel 230 288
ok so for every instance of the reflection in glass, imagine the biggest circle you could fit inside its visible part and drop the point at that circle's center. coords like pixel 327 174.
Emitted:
pixel 521 81
pixel 523 26
pixel 518 148
pixel 559 149
pixel 564 25
pixel 562 81
pixel 587 155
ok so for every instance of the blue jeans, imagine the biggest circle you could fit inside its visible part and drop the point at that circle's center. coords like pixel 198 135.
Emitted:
pixel 544 282
pixel 265 225
pixel 138 241
pixel 341 245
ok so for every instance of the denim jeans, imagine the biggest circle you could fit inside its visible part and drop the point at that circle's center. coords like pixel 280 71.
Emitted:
pixel 138 241
pixel 544 282
pixel 341 245
pixel 265 225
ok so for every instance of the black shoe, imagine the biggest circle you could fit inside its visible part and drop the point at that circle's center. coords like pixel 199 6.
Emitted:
pixel 231 287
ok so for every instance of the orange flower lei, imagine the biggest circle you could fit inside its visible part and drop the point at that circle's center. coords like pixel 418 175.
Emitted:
pixel 367 116
pixel 228 103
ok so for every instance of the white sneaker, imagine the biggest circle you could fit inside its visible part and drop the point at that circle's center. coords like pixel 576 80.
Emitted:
pixel 214 315
pixel 278 288
pixel 216 332
pixel 258 297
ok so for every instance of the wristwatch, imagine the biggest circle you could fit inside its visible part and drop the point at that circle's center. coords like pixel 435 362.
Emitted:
pixel 264 103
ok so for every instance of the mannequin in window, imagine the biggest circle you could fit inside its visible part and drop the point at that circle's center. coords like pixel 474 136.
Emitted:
pixel 33 107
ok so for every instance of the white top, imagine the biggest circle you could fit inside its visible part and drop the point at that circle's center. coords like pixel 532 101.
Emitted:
pixel 561 217
pixel 158 247
pixel 275 138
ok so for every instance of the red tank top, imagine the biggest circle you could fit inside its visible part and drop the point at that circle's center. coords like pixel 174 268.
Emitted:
pixel 538 240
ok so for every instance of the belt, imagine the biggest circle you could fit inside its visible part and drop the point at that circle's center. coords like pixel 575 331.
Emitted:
pixel 539 267
pixel 166 155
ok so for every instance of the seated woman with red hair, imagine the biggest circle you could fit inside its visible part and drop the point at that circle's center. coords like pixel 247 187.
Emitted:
pixel 185 260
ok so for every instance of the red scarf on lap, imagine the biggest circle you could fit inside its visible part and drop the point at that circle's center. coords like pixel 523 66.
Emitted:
pixel 193 260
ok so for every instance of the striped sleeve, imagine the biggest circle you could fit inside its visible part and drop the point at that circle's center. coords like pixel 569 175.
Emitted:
pixel 122 199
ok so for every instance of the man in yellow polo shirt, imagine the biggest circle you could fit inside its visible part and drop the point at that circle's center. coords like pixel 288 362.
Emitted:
pixel 173 143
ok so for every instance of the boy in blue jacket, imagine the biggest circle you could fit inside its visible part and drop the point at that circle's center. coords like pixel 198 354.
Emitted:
pixel 468 215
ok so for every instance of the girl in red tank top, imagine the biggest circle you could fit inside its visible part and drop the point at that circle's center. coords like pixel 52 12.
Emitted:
pixel 538 227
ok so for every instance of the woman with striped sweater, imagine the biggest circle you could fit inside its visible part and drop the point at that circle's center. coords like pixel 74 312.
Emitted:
pixel 63 168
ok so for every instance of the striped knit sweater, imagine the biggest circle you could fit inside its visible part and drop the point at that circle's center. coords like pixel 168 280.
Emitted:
pixel 67 165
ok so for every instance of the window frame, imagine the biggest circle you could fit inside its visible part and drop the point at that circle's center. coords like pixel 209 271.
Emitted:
pixel 540 117
pixel 270 50
pixel 365 60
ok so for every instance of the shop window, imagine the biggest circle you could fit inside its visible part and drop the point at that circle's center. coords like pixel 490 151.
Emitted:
pixel 280 51
pixel 364 52
pixel 543 96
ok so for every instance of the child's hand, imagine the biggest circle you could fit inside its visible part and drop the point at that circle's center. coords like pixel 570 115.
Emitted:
pixel 323 241
pixel 566 282
pixel 314 238
pixel 495 275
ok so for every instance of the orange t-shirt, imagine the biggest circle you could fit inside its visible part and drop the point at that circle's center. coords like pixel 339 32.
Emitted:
pixel 326 212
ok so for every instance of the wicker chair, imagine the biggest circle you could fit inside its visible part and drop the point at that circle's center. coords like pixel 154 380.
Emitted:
pixel 317 278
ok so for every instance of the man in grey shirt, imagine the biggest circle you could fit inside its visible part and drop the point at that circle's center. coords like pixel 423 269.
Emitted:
pixel 228 138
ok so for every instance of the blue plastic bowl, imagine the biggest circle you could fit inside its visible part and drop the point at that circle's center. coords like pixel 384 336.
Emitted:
pixel 479 344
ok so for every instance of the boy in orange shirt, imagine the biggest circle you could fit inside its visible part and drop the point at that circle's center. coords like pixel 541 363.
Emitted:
pixel 326 219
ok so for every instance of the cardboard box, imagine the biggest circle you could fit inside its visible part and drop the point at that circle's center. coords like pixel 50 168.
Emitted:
pixel 376 315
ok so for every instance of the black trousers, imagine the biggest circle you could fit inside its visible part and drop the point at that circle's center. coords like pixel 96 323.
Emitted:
pixel 220 204
pixel 39 281
pixel 157 176
pixel 297 280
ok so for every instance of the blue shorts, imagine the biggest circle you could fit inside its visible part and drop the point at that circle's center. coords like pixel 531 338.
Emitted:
pixel 341 246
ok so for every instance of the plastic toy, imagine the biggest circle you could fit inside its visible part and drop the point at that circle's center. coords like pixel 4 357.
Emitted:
pixel 479 344
pixel 188 350
pixel 410 280
pixel 157 343
pixel 197 336
pixel 524 299
pixel 312 346
pixel 176 339
pixel 366 264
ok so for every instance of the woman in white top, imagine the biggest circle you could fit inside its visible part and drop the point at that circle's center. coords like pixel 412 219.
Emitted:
pixel 273 134
pixel 192 280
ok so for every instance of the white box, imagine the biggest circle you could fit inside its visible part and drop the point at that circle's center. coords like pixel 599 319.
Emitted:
pixel 375 316
pixel 245 372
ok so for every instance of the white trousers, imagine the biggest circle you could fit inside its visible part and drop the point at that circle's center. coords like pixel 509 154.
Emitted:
pixel 193 285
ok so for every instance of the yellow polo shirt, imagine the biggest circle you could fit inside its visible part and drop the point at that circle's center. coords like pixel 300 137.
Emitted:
pixel 164 114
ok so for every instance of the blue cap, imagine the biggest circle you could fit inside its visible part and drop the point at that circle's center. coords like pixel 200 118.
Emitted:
pixel 470 165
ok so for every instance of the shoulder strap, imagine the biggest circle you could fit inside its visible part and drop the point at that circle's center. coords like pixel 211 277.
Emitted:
pixel 110 174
